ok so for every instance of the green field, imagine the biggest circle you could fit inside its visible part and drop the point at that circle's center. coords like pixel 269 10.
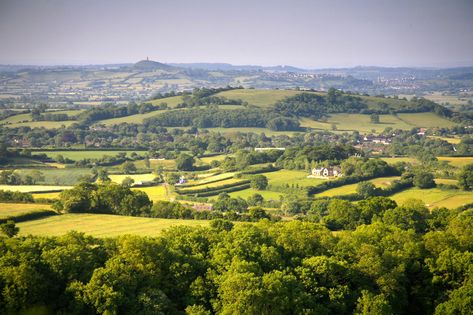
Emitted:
pixel 47 195
pixel 101 225
pixel 449 140
pixel 261 98
pixel 267 194
pixel 292 177
pixel 132 119
pixel 172 101
pixel 80 155
pixel 137 177
pixel 33 188
pixel 362 123
pixel 435 197
pixel 381 182
pixel 42 124
pixel 59 176
pixel 156 192
pixel 427 120
pixel 14 209
pixel 456 161
pixel 208 159
pixel 154 163
pixel 393 160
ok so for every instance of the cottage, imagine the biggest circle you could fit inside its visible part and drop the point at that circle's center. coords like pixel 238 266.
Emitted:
pixel 326 172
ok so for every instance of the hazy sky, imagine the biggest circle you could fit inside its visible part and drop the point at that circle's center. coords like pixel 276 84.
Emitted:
pixel 304 33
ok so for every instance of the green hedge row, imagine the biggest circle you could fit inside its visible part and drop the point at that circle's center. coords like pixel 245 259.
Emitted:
pixel 265 169
pixel 208 189
pixel 35 215
pixel 226 190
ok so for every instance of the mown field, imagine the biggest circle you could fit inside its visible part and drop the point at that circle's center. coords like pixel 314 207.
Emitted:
pixel 102 225
pixel 156 192
pixel 435 197
pixel 13 209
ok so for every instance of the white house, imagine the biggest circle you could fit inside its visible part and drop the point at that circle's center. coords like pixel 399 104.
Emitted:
pixel 326 172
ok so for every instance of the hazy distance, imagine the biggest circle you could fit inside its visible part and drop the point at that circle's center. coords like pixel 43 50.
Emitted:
pixel 302 33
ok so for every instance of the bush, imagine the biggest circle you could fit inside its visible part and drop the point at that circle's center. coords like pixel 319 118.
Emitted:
pixel 424 180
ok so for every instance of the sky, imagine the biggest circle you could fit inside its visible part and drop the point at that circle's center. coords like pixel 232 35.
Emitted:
pixel 302 33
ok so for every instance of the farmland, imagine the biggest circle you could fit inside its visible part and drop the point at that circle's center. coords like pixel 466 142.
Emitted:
pixel 14 209
pixel 33 188
pixel 156 192
pixel 362 123
pixel 457 161
pixel 260 98
pixel 136 177
pixel 435 197
pixel 381 182
pixel 58 176
pixel 102 225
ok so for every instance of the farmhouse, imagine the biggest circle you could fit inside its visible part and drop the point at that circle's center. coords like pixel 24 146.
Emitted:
pixel 326 172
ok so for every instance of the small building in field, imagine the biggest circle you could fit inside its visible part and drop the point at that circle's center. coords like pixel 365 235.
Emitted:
pixel 326 172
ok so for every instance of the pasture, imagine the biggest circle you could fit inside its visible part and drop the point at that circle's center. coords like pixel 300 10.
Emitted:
pixel 456 161
pixel 172 101
pixel 155 193
pixel 34 188
pixel 435 197
pixel 363 124
pixel 154 163
pixel 292 177
pixel 42 124
pixel 59 176
pixel 136 177
pixel 406 159
pixel 381 182
pixel 14 209
pixel 102 225
pixel 260 98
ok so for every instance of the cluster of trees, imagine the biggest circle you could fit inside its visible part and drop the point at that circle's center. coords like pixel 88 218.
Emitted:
pixel 112 111
pixel 309 155
pixel 107 198
pixel 213 117
pixel 409 262
pixel 316 106
pixel 15 196
pixel 10 177
pixel 175 210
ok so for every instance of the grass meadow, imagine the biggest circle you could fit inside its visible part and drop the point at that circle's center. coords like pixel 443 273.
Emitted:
pixel 13 209
pixel 435 197
pixel 102 225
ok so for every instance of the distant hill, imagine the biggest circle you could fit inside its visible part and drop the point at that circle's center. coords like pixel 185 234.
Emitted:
pixel 150 65
pixel 230 67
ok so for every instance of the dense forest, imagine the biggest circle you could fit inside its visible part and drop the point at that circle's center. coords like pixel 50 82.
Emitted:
pixel 409 262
